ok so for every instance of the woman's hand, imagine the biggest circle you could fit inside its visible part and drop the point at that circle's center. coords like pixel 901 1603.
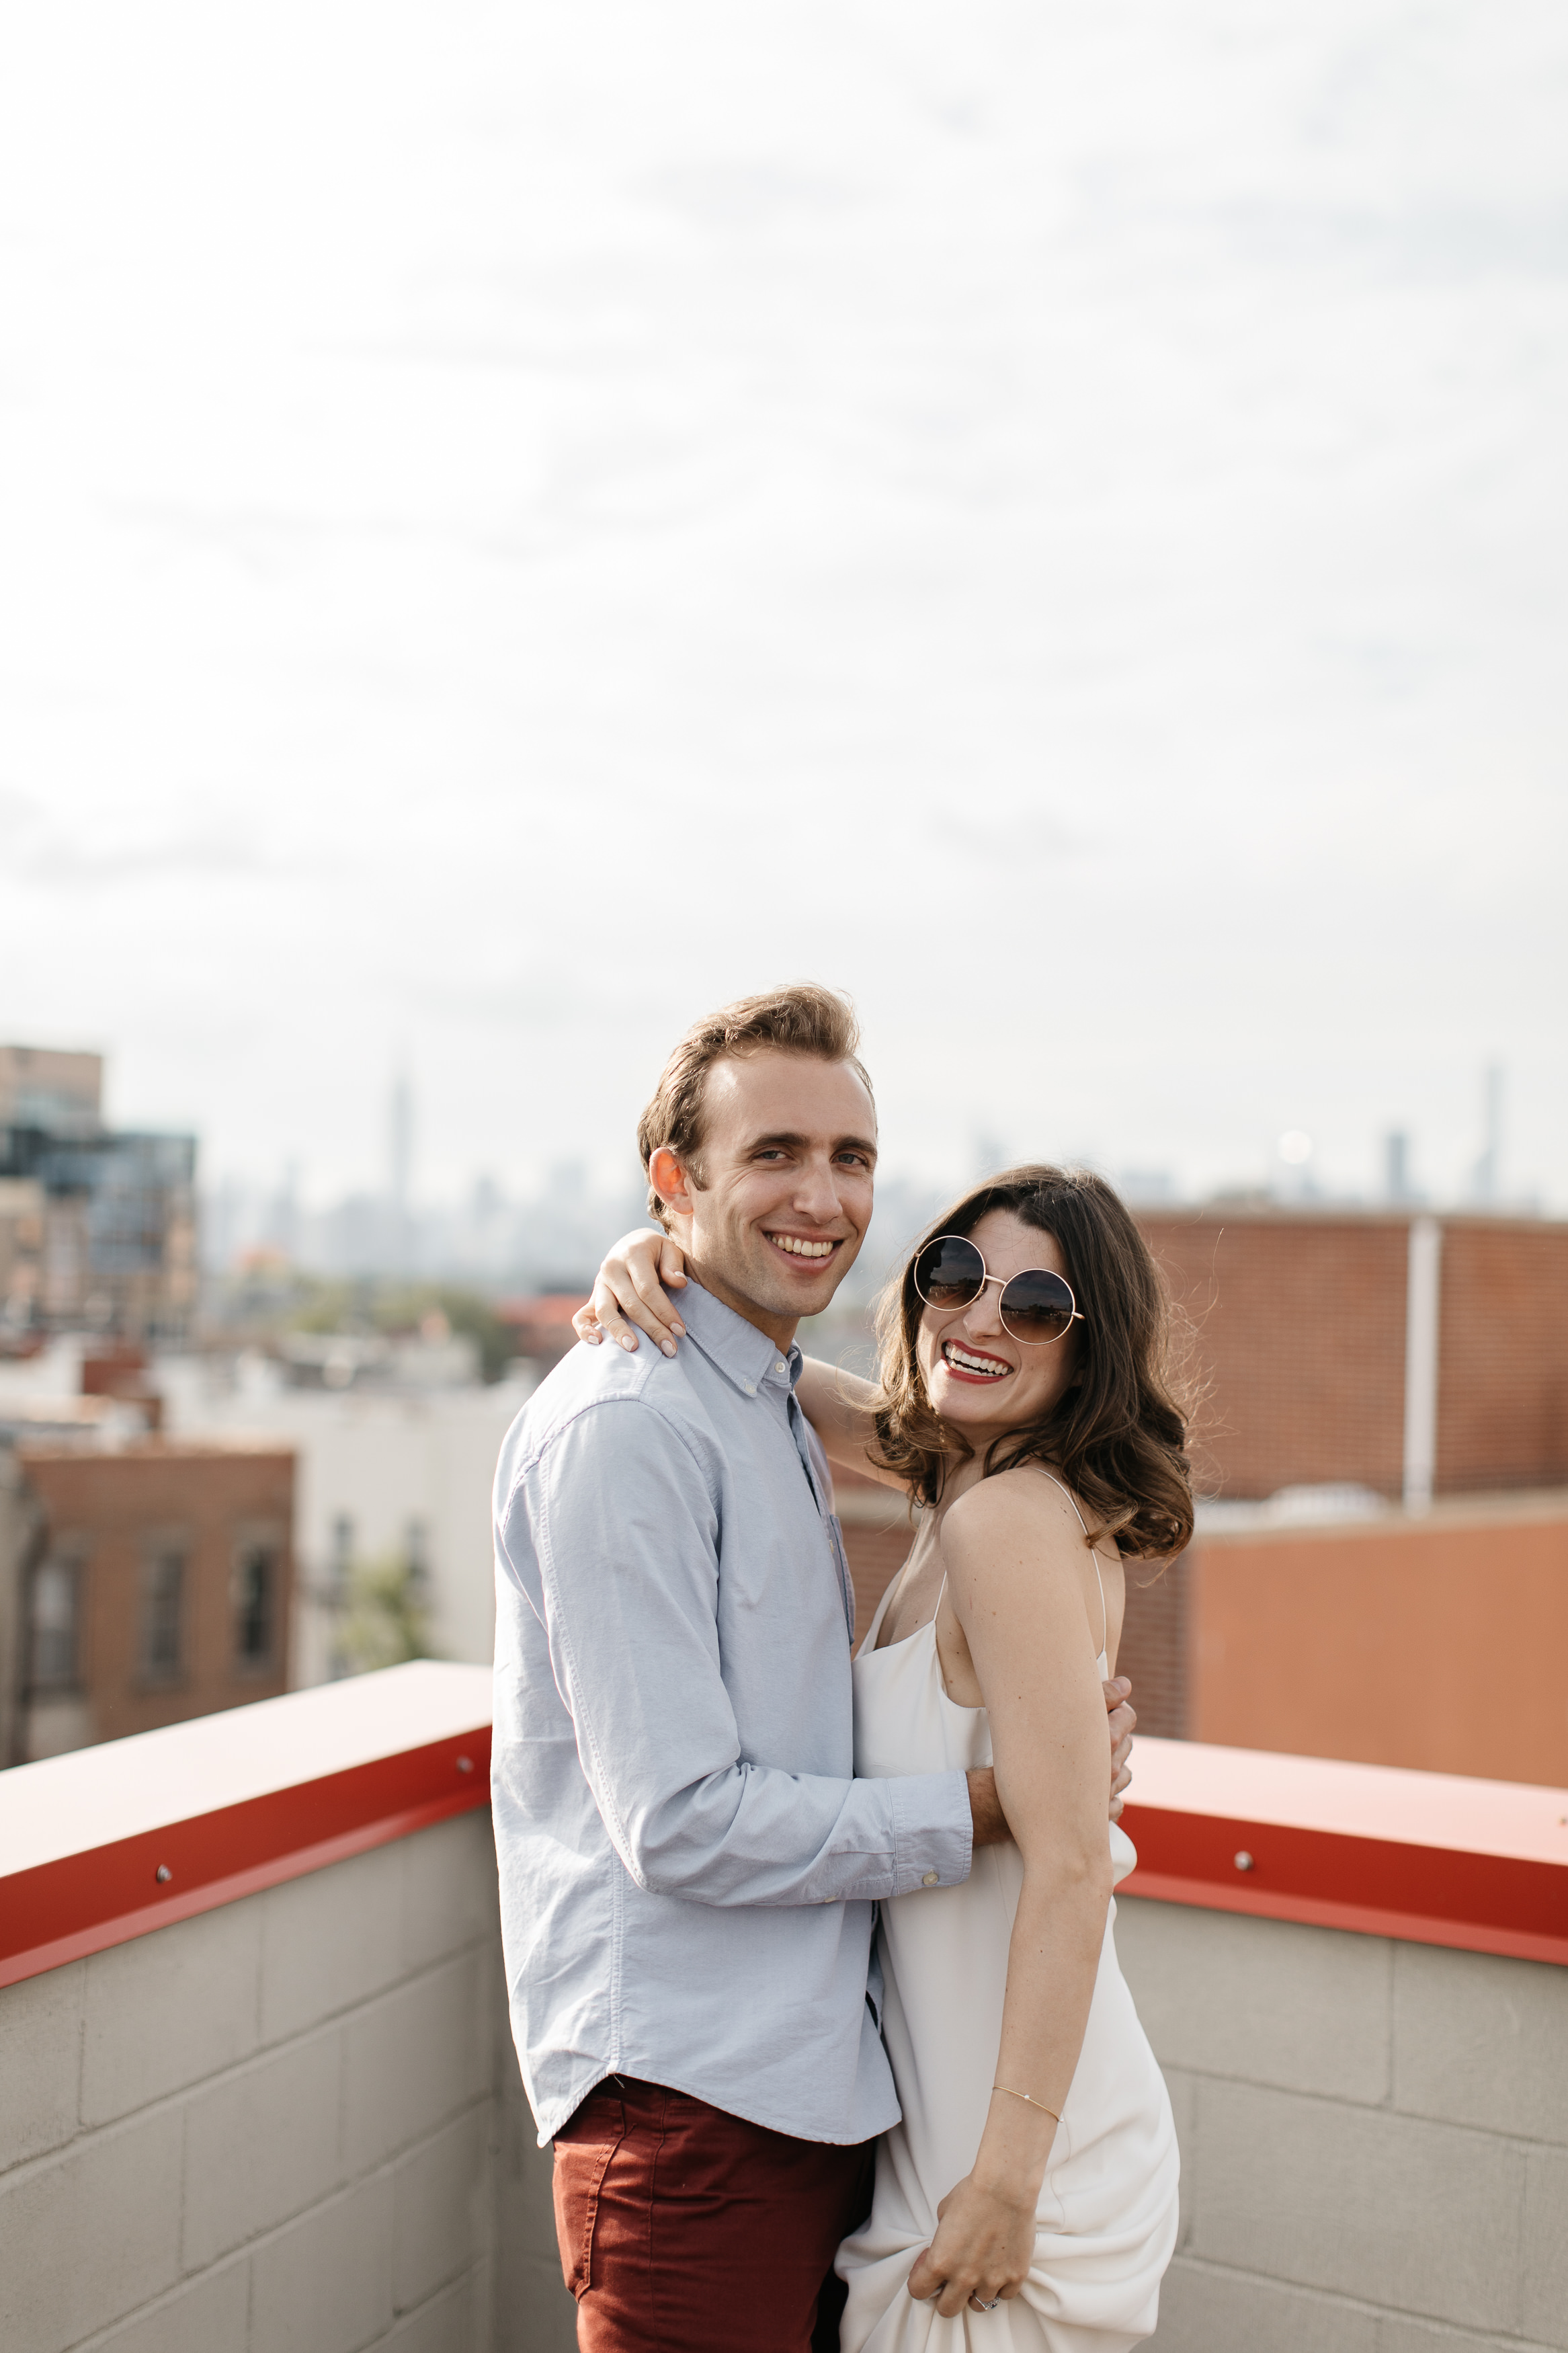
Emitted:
pixel 984 2246
pixel 627 1287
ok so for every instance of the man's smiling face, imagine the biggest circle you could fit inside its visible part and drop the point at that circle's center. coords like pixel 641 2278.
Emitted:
pixel 778 1203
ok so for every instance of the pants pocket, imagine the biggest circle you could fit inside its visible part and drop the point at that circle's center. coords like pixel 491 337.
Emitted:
pixel 584 2148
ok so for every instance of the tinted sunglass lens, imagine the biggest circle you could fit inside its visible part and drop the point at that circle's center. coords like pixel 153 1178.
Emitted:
pixel 1036 1306
pixel 949 1272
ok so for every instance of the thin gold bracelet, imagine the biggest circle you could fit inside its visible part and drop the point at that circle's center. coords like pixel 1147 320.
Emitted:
pixel 1025 2095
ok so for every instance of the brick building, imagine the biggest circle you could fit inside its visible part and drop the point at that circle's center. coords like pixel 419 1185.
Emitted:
pixel 139 1587
pixel 97 1228
pixel 541 1327
pixel 1415 1357
pixel 1411 1354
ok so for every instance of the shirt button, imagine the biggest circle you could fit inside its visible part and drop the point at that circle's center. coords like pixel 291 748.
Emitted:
pixel 930 1880
pixel 781 1367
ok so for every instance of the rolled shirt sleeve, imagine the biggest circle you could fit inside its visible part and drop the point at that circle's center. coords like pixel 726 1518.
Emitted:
pixel 622 1522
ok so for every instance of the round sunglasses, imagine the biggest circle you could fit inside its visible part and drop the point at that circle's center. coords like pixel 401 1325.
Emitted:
pixel 1036 1306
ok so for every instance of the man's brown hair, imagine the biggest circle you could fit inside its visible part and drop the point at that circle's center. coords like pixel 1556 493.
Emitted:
pixel 801 1019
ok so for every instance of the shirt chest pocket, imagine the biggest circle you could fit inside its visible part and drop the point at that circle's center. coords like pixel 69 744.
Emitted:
pixel 795 1583
pixel 787 1568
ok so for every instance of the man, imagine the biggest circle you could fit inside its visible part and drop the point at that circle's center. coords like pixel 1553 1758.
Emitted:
pixel 689 1866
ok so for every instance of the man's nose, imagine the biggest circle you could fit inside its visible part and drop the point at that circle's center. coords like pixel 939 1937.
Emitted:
pixel 817 1195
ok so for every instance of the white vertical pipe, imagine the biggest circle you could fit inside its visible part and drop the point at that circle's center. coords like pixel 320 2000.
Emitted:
pixel 1421 1303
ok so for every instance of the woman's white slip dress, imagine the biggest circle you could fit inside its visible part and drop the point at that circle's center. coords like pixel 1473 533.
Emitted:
pixel 1107 2212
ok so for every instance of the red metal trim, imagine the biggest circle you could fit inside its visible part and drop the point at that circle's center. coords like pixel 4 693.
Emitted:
pixel 1378 1887
pixel 104 1895
pixel 86 1902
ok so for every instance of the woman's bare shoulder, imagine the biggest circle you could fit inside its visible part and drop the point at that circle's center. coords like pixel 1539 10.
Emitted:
pixel 1017 1505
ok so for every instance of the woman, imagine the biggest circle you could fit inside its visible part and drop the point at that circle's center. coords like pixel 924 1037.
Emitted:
pixel 1028 2197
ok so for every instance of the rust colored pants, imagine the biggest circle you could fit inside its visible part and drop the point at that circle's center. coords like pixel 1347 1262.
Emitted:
pixel 684 2230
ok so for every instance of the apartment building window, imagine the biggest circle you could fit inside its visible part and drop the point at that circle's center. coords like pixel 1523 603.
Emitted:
pixel 255 1605
pixel 163 1612
pixel 54 1625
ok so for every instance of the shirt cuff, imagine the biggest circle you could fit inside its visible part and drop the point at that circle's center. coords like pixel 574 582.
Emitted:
pixel 933 1830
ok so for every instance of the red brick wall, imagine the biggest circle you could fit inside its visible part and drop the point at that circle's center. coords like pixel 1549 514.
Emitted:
pixel 1502 1370
pixel 1154 1650
pixel 104 1508
pixel 1300 1335
pixel 875 1556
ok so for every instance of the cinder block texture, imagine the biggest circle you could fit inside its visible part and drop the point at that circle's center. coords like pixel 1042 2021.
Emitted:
pixel 441 2207
pixel 1206 2310
pixel 1183 2090
pixel 534 2309
pixel 91 2235
pixel 40 2062
pixel 452 2322
pixel 1546 2246
pixel 1305 2008
pixel 211 2316
pixel 1398 2333
pixel 415 2057
pixel 261 2145
pixel 449 1896
pixel 1481 2041
pixel 1420 2218
pixel 330 1940
pixel 167 2010
pixel 324 2285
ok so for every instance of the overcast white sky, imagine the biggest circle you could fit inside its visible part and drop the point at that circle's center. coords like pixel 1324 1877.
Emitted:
pixel 519 523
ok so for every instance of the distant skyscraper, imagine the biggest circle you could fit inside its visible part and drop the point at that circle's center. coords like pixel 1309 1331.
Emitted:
pixel 58 1094
pixel 400 1169
pixel 1396 1166
pixel 1485 1179
pixel 401 1141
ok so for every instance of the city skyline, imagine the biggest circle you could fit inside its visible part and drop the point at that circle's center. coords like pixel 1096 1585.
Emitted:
pixel 1045 523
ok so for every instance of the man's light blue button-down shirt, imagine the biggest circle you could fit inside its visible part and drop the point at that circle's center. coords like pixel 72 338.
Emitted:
pixel 688 1865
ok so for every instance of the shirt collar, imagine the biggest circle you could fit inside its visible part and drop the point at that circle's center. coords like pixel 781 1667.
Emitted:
pixel 743 1354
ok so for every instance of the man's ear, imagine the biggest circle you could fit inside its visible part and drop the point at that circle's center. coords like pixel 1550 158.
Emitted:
pixel 670 1181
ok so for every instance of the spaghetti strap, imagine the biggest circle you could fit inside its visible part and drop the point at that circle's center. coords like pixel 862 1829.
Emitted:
pixel 1093 1554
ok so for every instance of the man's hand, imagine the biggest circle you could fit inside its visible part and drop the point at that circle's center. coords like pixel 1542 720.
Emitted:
pixel 1124 1723
pixel 985 1807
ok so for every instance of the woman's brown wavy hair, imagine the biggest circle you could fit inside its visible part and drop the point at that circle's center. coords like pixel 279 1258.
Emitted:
pixel 1117 1436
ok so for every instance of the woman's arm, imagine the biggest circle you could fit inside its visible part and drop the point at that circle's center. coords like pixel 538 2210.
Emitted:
pixel 1019 1576
pixel 631 1294
pixel 838 1406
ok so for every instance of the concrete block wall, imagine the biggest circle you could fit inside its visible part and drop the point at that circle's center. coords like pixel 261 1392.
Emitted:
pixel 1374 2137
pixel 295 2125
pixel 291 2125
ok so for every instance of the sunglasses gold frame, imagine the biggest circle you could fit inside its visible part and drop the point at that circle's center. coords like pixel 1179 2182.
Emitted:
pixel 1074 1315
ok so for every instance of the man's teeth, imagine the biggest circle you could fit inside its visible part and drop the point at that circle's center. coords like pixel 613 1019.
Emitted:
pixel 974 1364
pixel 798 1248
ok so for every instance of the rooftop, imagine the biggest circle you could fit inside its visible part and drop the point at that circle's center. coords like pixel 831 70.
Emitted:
pixel 260 2093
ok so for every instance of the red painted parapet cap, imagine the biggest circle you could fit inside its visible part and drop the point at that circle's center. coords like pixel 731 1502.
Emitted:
pixel 1428 1857
pixel 108 1842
